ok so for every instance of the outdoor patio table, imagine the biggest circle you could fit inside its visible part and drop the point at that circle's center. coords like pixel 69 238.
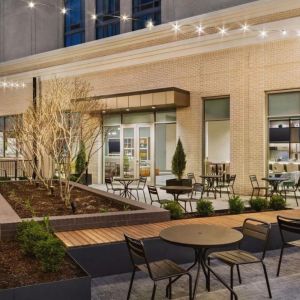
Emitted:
pixel 274 182
pixel 126 182
pixel 211 183
pixel 202 237
pixel 176 191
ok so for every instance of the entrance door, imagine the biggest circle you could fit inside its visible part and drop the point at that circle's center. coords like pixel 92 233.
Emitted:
pixel 137 150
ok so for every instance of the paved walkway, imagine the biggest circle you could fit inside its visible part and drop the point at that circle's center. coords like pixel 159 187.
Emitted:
pixel 285 287
pixel 219 203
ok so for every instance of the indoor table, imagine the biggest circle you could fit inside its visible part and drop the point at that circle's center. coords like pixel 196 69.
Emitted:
pixel 202 237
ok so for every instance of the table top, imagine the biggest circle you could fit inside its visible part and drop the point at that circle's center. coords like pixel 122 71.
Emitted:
pixel 175 188
pixel 201 235
pixel 125 179
pixel 211 176
pixel 274 179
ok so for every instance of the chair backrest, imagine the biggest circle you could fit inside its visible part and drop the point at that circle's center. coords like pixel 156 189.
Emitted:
pixel 137 252
pixel 191 176
pixel 108 183
pixel 253 180
pixel 142 182
pixel 288 225
pixel 231 179
pixel 198 187
pixel 153 192
pixel 259 230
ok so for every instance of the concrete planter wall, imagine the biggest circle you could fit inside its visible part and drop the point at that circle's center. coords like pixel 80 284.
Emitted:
pixel 75 289
pixel 142 214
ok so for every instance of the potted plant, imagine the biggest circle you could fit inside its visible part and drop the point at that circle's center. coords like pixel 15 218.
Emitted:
pixel 178 167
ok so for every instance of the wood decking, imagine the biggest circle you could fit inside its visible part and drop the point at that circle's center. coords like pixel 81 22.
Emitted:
pixel 116 234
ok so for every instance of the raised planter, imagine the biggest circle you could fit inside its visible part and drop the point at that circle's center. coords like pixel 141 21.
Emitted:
pixel 75 289
pixel 143 213
pixel 177 182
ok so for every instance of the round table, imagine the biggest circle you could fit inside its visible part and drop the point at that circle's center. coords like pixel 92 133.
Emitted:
pixel 274 182
pixel 211 180
pixel 126 182
pixel 202 237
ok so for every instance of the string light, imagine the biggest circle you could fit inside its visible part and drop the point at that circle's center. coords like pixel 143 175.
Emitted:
pixel 149 24
pixel 124 18
pixel 63 11
pixel 284 32
pixel 11 84
pixel 223 31
pixel 94 17
pixel 245 28
pixel 200 29
pixel 263 34
pixel 31 4
pixel 176 27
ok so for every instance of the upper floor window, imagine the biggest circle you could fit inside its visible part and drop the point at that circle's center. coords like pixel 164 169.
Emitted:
pixel 74 22
pixel 145 10
pixel 107 23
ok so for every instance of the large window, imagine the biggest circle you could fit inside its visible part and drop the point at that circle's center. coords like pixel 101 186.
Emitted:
pixel 217 135
pixel 74 22
pixel 145 10
pixel 107 23
pixel 8 145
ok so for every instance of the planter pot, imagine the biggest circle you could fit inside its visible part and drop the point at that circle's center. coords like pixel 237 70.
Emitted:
pixel 75 289
pixel 181 182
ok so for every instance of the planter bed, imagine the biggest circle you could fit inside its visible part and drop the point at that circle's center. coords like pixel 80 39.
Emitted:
pixel 21 278
pixel 109 209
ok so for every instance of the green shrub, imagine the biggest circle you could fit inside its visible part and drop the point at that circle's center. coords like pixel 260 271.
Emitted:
pixel 73 177
pixel 205 208
pixel 236 205
pixel 50 253
pixel 175 209
pixel 3 178
pixel 259 204
pixel 277 202
pixel 29 233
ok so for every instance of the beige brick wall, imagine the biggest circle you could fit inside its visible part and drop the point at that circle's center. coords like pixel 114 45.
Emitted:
pixel 245 74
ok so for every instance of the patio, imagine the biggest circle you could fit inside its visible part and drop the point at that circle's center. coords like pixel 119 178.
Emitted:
pixel 285 287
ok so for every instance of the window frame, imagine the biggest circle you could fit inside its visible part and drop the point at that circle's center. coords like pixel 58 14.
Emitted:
pixel 6 133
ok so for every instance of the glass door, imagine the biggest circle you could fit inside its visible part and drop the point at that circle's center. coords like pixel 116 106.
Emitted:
pixel 137 150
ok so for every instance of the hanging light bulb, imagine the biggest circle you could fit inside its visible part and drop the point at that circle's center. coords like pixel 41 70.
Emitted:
pixel 263 34
pixel 31 4
pixel 223 31
pixel 63 10
pixel 94 17
pixel 245 28
pixel 176 27
pixel 124 18
pixel 284 32
pixel 200 29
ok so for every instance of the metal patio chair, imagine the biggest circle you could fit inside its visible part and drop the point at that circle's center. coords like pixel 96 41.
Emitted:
pixel 227 186
pixel 153 193
pixel 140 187
pixel 287 225
pixel 110 186
pixel 252 228
pixel 197 188
pixel 256 187
pixel 157 270
pixel 290 188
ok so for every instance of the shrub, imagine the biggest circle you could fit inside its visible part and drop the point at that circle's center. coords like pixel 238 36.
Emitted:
pixel 277 202
pixel 28 234
pixel 50 253
pixel 259 204
pixel 205 208
pixel 236 205
pixel 175 209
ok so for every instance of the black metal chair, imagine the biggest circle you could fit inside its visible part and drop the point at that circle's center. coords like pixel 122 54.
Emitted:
pixel 290 188
pixel 287 225
pixel 157 270
pixel 110 186
pixel 153 192
pixel 140 187
pixel 197 187
pixel 256 187
pixel 252 228
pixel 228 185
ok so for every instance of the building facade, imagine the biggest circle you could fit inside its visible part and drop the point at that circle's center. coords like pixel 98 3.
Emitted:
pixel 232 98
pixel 26 31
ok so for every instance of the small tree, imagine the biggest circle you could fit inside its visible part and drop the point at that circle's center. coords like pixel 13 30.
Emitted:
pixel 179 161
pixel 80 164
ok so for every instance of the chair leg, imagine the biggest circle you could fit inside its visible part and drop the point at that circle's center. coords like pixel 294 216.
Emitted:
pixel 208 275
pixel 280 259
pixel 144 196
pixel 296 197
pixel 190 286
pixel 170 288
pixel 267 279
pixel 153 291
pixel 231 281
pixel 239 273
pixel 137 193
pixel 130 286
pixel 252 194
pixel 191 207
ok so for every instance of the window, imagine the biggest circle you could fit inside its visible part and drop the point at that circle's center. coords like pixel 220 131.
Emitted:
pixel 8 144
pixel 284 104
pixel 145 10
pixel 74 22
pixel 107 23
